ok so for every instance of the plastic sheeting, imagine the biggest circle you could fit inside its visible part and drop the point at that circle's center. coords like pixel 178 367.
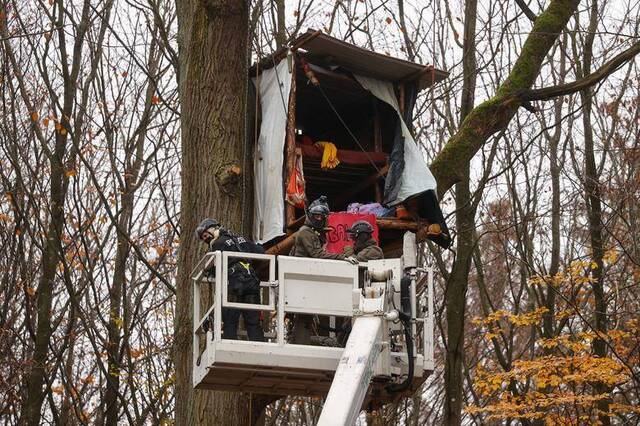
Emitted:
pixel 415 177
pixel 274 86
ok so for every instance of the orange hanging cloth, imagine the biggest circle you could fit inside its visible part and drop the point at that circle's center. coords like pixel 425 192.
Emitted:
pixel 296 187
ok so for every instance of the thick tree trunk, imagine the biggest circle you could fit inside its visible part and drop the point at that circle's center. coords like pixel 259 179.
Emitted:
pixel 212 40
pixel 456 301
pixel 458 283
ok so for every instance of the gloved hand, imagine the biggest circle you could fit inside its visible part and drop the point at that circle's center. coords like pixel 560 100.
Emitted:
pixel 347 250
pixel 352 260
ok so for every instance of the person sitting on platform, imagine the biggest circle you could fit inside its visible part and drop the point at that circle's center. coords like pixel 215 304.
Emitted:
pixel 364 246
pixel 310 239
pixel 243 281
pixel 309 242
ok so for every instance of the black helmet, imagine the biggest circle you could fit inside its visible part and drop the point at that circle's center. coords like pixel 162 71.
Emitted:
pixel 317 213
pixel 360 227
pixel 206 224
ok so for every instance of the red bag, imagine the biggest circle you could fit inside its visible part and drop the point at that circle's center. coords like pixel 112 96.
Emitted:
pixel 295 187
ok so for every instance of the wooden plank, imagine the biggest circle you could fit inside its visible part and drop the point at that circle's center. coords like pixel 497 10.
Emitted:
pixel 401 99
pixel 290 152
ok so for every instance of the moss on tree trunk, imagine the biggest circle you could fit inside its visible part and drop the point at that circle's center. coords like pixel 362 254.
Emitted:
pixel 494 114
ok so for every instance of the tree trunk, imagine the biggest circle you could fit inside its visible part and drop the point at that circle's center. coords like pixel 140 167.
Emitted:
pixel 458 283
pixel 594 210
pixel 212 40
pixel 456 298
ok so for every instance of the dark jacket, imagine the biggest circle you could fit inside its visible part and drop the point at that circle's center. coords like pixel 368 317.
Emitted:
pixel 242 278
pixel 365 252
pixel 307 243
pixel 228 241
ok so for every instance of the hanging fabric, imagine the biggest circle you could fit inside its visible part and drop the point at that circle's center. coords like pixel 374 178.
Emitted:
pixel 273 87
pixel 296 186
pixel 411 174
pixel 329 155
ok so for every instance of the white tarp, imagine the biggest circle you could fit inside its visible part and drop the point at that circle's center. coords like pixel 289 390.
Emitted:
pixel 416 176
pixel 273 87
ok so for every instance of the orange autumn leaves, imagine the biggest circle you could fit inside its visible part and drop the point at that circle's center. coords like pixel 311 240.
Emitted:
pixel 557 380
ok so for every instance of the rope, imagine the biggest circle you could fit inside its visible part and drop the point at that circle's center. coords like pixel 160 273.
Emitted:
pixel 347 128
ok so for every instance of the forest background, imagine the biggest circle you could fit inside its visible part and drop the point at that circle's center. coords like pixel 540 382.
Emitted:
pixel 537 301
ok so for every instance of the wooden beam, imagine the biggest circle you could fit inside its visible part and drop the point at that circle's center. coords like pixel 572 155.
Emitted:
pixel 291 141
pixel 282 247
pixel 397 224
pixel 277 56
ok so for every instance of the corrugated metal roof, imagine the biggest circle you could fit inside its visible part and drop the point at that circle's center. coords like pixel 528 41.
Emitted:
pixel 366 62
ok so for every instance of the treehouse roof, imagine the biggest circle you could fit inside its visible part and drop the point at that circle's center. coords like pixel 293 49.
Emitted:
pixel 329 51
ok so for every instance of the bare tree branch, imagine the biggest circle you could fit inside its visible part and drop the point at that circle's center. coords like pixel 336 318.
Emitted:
pixel 583 83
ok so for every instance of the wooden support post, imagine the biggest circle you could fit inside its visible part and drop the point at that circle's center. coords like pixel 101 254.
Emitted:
pixel 290 151
pixel 377 142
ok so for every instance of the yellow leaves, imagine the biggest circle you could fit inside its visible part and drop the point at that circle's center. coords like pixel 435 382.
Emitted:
pixel 524 319
pixel 492 334
pixel 45 121
pixel 31 291
pixel 4 218
pixel 548 343
pixel 136 353
pixel 34 116
pixel 550 381
pixel 70 173
pixel 528 318
pixel 57 390
pixel 611 256
pixel 90 379
pixel 155 100
pixel 118 322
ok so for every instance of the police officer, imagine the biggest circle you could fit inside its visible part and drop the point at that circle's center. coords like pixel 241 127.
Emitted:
pixel 243 281
pixel 364 245
pixel 309 241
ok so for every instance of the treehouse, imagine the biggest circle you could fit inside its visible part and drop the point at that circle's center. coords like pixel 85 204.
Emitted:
pixel 333 119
